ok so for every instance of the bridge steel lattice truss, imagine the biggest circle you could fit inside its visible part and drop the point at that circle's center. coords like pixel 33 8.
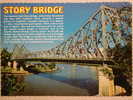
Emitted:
pixel 102 31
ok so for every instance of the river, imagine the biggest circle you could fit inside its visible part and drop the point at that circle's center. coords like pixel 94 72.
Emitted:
pixel 69 80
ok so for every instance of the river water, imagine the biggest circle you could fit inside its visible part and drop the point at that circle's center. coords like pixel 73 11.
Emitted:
pixel 69 80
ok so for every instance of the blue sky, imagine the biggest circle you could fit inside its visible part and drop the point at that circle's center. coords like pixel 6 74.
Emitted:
pixel 75 15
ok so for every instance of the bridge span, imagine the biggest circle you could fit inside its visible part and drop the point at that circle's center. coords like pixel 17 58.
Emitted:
pixel 65 60
pixel 89 45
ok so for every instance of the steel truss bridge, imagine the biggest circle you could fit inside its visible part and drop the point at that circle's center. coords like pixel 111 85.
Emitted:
pixel 102 31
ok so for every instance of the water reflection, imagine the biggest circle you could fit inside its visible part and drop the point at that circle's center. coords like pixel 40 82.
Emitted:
pixel 82 77
pixel 68 80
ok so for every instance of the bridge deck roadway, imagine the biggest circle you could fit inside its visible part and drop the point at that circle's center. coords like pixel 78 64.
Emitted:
pixel 87 61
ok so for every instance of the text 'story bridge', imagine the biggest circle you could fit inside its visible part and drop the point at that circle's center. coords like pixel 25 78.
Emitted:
pixel 103 30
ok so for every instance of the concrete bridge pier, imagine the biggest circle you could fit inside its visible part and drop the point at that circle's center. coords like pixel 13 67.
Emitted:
pixel 15 64
pixel 9 64
pixel 106 81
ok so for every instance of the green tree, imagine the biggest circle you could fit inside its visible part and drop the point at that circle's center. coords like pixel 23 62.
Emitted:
pixel 5 57
pixel 122 54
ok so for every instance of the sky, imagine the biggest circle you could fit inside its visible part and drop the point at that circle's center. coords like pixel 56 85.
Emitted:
pixel 75 15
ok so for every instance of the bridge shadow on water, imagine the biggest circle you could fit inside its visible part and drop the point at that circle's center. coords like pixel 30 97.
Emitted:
pixel 85 83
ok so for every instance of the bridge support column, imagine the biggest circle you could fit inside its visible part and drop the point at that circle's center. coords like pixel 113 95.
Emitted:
pixel 15 64
pixel 21 69
pixel 106 81
pixel 9 64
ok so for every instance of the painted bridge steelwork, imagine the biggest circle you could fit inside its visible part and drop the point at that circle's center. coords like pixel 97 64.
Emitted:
pixel 101 32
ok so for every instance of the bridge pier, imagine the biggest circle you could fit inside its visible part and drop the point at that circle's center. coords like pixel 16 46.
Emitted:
pixel 106 81
pixel 15 64
pixel 9 64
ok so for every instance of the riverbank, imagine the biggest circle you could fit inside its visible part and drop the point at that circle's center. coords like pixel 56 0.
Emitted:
pixel 40 68
pixel 9 70
pixel 30 69
pixel 16 72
